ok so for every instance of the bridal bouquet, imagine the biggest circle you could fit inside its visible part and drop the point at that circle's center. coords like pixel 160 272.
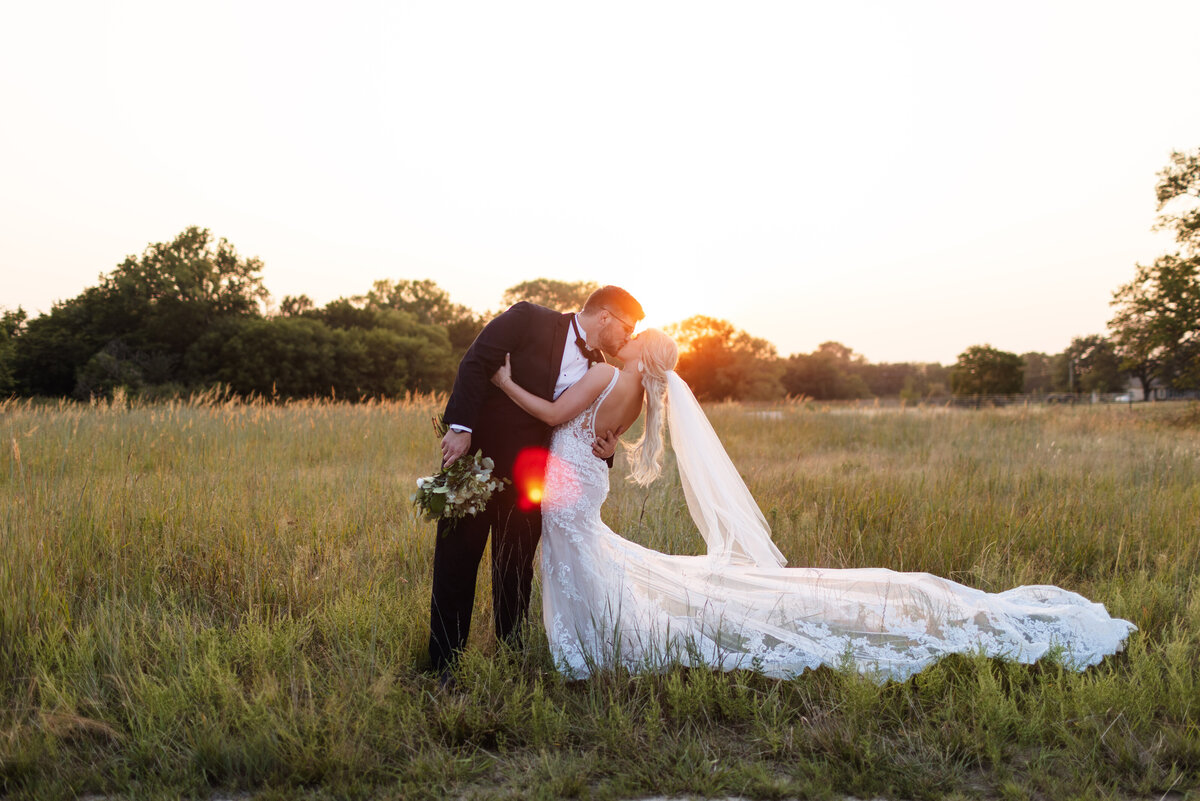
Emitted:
pixel 464 488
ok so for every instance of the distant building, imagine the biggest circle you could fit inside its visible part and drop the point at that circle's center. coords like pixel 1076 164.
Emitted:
pixel 1158 391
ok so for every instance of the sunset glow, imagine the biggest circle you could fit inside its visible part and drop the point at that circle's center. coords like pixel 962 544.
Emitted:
pixel 908 179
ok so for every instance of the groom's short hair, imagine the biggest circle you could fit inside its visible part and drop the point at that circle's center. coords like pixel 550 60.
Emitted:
pixel 613 297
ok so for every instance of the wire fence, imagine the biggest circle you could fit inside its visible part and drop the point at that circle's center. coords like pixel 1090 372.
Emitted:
pixel 1040 399
pixel 999 401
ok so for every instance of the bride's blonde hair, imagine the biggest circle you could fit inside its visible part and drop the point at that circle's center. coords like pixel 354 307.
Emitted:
pixel 659 356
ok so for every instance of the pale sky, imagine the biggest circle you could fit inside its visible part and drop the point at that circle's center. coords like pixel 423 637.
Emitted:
pixel 908 178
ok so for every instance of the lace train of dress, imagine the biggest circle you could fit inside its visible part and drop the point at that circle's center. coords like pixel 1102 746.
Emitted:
pixel 609 601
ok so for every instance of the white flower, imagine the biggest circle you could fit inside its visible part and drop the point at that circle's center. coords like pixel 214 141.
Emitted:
pixel 466 488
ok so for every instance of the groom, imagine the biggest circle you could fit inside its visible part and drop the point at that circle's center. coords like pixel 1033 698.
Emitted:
pixel 550 351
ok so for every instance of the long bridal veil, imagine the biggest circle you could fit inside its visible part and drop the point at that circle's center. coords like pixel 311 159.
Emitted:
pixel 609 601
pixel 739 605
pixel 732 525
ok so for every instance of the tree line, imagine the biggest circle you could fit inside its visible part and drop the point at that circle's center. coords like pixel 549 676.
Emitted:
pixel 190 314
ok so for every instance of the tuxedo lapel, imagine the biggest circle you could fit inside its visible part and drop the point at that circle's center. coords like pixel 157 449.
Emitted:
pixel 556 352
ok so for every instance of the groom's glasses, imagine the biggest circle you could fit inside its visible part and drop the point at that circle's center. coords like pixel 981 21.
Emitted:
pixel 628 326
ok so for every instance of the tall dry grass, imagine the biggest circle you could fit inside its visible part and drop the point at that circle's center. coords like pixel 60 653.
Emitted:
pixel 212 593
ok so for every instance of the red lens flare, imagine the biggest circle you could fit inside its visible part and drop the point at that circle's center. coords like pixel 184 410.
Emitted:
pixel 529 477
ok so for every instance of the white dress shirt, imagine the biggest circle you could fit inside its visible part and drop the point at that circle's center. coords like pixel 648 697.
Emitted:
pixel 574 363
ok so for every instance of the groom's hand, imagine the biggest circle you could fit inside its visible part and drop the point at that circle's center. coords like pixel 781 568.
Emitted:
pixel 454 445
pixel 605 445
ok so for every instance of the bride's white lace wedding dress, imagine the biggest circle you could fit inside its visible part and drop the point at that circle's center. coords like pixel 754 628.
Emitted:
pixel 609 601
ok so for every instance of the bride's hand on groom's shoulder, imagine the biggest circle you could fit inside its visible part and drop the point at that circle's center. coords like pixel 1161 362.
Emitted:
pixel 504 374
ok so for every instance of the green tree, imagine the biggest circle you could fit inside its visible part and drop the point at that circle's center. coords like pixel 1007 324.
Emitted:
pixel 1177 191
pixel 286 356
pixel 381 341
pixel 12 323
pixel 112 366
pixel 296 305
pixel 1039 373
pixel 343 349
pixel 984 370
pixel 1090 364
pixel 1136 340
pixel 1156 327
pixel 561 295
pixel 721 362
pixel 886 379
pixel 156 306
pixel 55 346
pixel 428 303
pixel 831 372
pixel 927 382
pixel 175 290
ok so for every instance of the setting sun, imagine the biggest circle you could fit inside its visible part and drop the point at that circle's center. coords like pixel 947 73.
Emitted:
pixel 666 300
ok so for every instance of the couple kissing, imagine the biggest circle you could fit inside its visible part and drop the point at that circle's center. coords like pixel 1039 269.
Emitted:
pixel 535 394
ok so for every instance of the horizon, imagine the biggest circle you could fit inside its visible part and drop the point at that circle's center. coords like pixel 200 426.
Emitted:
pixel 271 308
pixel 905 181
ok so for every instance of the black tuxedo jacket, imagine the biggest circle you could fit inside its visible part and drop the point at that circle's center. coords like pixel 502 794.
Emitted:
pixel 534 337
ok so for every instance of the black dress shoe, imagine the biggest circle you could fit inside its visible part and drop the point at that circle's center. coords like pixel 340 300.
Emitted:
pixel 446 681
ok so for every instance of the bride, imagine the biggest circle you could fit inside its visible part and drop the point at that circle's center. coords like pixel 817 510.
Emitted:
pixel 607 601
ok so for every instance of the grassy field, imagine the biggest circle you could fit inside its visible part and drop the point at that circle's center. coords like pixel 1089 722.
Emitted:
pixel 212 597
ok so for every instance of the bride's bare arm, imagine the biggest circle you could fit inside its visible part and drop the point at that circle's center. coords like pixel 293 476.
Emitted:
pixel 573 401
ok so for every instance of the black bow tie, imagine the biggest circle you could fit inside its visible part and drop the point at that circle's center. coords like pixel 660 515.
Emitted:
pixel 593 356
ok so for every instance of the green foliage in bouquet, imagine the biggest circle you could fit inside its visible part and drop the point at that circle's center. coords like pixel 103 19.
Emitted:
pixel 464 488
